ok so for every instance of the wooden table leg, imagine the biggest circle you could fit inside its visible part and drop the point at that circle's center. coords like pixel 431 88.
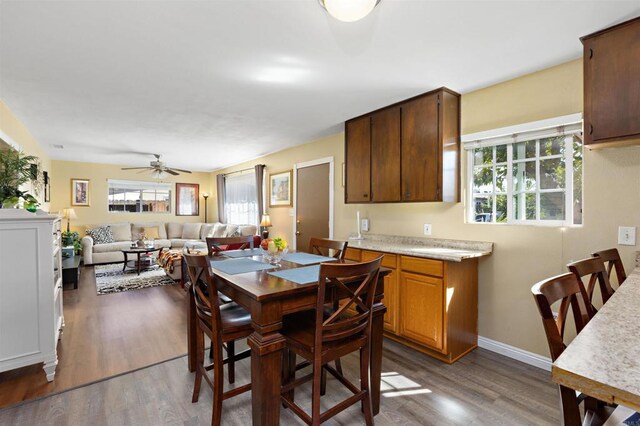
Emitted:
pixel 126 259
pixel 191 331
pixel 266 366
pixel 376 355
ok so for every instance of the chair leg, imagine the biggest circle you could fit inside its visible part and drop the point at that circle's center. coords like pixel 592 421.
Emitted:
pixel 323 382
pixel 339 367
pixel 290 370
pixel 199 365
pixel 231 352
pixel 364 385
pixel 315 393
pixel 218 384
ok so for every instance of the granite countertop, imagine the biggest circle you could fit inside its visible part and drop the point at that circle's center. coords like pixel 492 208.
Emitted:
pixel 602 361
pixel 431 248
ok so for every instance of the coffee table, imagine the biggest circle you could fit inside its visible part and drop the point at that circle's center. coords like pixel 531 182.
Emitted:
pixel 141 254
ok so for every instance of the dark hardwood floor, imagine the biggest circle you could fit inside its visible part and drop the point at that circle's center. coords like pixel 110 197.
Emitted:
pixel 104 336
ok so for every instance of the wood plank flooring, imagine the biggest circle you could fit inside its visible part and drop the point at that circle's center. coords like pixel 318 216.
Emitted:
pixel 104 336
pixel 483 388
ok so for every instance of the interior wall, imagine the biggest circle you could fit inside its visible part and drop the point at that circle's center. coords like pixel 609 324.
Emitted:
pixel 11 128
pixel 522 255
pixel 97 212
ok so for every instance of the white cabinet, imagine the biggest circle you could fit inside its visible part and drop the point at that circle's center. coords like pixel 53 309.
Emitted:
pixel 31 317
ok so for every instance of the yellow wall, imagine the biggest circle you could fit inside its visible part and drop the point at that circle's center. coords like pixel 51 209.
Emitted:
pixel 522 255
pixel 97 213
pixel 17 133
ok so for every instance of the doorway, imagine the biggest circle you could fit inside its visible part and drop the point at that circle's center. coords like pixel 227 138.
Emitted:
pixel 313 207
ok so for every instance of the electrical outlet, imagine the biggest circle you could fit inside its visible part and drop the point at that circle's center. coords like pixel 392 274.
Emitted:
pixel 427 229
pixel 627 235
pixel 364 225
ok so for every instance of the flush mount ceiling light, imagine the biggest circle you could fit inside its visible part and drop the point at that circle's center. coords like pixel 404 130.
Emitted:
pixel 349 10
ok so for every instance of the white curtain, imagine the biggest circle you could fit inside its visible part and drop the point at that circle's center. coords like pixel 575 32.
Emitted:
pixel 240 203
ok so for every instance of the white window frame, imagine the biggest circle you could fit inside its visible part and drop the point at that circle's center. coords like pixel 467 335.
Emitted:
pixel 568 125
pixel 139 185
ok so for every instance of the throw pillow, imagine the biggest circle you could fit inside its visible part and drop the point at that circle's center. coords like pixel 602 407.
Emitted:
pixel 121 231
pixel 233 231
pixel 191 231
pixel 151 232
pixel 101 235
pixel 219 230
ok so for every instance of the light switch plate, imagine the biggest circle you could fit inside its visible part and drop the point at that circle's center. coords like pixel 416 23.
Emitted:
pixel 627 235
pixel 364 225
pixel 427 229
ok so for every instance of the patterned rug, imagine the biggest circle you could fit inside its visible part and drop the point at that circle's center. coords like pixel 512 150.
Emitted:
pixel 111 279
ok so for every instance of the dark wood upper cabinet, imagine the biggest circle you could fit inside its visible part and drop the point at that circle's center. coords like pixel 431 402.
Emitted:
pixel 414 151
pixel 385 155
pixel 358 160
pixel 612 85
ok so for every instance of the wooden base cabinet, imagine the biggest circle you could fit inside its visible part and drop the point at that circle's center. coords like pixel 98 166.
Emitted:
pixel 31 316
pixel 432 305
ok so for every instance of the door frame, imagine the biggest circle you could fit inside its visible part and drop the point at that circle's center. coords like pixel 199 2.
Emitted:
pixel 296 166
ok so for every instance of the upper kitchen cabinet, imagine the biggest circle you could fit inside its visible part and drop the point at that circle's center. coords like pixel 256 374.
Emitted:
pixel 413 151
pixel 612 85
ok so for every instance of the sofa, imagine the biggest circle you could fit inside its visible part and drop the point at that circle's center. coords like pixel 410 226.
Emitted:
pixel 169 235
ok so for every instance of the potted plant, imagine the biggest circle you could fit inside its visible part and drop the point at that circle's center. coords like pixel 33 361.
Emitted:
pixel 72 239
pixel 16 169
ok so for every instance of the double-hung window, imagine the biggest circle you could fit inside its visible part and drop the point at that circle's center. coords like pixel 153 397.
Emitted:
pixel 527 174
pixel 241 200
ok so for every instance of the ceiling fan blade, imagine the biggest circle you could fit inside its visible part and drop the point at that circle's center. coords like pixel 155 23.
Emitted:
pixel 180 170
pixel 171 172
pixel 136 168
pixel 143 171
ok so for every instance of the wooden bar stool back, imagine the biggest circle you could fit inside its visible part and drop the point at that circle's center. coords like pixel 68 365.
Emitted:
pixel 567 289
pixel 222 325
pixel 594 268
pixel 321 339
pixel 215 245
pixel 612 260
pixel 325 247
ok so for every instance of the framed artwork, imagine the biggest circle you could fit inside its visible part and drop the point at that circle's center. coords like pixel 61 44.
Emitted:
pixel 187 199
pixel 80 195
pixel 280 188
pixel 47 186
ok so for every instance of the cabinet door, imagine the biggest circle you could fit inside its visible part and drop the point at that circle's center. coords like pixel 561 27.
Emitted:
pixel 358 160
pixel 421 154
pixel 612 84
pixel 421 309
pixel 385 155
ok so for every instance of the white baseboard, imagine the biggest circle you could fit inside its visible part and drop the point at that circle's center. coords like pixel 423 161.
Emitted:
pixel 515 353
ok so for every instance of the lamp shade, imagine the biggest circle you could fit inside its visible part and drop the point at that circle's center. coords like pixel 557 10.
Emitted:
pixel 349 10
pixel 266 221
pixel 69 213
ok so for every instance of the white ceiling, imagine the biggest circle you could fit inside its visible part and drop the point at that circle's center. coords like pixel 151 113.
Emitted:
pixel 212 83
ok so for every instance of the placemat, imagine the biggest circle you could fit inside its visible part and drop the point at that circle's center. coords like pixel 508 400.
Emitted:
pixel 306 258
pixel 243 253
pixel 306 275
pixel 239 266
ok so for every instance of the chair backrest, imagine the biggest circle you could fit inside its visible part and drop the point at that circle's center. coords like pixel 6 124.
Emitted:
pixel 340 326
pixel 611 259
pixel 214 244
pixel 204 290
pixel 322 246
pixel 595 269
pixel 570 291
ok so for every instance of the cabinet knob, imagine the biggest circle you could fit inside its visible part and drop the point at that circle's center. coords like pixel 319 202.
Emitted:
pixel 365 195
pixel 298 233
pixel 407 194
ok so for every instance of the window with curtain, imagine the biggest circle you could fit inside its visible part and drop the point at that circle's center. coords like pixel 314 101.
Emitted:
pixel 241 202
pixel 532 176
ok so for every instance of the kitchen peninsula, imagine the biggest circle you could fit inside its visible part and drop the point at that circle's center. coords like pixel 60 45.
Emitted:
pixel 432 293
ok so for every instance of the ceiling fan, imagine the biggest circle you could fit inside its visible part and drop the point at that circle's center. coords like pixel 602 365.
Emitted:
pixel 158 168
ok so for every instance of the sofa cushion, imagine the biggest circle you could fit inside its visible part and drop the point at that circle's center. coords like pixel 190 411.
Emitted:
pixel 246 230
pixel 207 230
pixel 138 228
pixel 178 243
pixel 174 230
pixel 191 231
pixel 162 243
pixel 101 235
pixel 121 231
pixel 109 247
pixel 219 230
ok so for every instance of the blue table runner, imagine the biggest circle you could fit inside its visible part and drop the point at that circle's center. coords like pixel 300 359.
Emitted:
pixel 306 275
pixel 239 266
pixel 306 258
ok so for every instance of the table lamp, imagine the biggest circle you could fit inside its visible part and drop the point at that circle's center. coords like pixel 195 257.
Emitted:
pixel 69 214
pixel 265 223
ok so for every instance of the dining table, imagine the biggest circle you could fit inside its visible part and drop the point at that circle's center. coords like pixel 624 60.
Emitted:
pixel 269 292
pixel 603 361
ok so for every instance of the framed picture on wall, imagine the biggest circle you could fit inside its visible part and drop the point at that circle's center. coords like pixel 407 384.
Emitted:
pixel 280 188
pixel 80 195
pixel 187 197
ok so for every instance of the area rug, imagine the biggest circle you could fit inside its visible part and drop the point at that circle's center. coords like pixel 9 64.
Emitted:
pixel 111 279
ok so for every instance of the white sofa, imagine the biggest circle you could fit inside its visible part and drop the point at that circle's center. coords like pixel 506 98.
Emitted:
pixel 172 235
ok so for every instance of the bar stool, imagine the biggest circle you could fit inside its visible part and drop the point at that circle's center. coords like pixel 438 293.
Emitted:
pixel 612 260
pixel 595 269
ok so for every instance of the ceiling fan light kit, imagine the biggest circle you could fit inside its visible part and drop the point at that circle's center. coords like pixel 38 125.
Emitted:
pixel 349 10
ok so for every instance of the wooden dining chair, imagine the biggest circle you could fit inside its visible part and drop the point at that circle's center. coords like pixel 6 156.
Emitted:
pixel 216 245
pixel 327 247
pixel 570 292
pixel 595 269
pixel 612 260
pixel 320 339
pixel 223 325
